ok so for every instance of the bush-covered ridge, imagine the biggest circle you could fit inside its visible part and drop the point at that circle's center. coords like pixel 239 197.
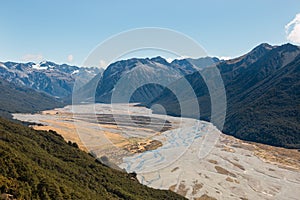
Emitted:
pixel 15 99
pixel 41 165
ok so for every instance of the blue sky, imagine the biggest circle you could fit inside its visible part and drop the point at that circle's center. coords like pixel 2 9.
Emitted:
pixel 65 31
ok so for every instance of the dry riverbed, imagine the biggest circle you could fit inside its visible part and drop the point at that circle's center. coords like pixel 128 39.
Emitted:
pixel 169 152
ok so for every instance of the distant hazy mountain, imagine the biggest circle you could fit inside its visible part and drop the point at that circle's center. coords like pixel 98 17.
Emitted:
pixel 144 78
pixel 15 99
pixel 53 79
pixel 263 98
pixel 190 65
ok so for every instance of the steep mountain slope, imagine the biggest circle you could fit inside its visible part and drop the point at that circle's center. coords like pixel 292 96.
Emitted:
pixel 142 79
pixel 268 110
pixel 134 72
pixel 262 95
pixel 41 165
pixel 20 99
pixel 53 79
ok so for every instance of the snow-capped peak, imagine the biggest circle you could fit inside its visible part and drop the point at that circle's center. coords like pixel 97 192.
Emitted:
pixel 75 72
pixel 38 67
pixel 2 65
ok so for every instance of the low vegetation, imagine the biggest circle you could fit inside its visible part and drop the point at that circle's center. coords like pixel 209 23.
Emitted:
pixel 41 165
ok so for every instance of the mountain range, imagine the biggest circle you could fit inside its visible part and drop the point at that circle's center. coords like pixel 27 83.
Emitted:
pixel 143 79
pixel 54 79
pixel 263 105
pixel 262 90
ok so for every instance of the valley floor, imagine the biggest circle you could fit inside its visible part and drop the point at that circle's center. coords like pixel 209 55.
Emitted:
pixel 187 156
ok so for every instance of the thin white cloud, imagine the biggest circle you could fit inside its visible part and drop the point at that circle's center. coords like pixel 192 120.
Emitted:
pixel 169 60
pixel 225 58
pixel 102 64
pixel 70 58
pixel 32 58
pixel 292 30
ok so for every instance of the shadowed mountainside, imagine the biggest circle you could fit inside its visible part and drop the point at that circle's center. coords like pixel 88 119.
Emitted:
pixel 144 77
pixel 17 99
pixel 262 89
